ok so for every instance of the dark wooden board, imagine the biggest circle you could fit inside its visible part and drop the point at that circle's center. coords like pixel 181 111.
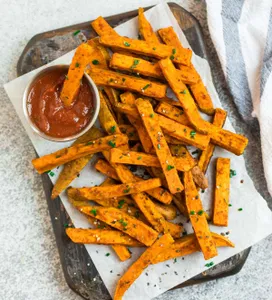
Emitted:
pixel 77 265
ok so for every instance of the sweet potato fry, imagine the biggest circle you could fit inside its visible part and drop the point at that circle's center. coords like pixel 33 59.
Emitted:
pixel 95 193
pixel 221 196
pixel 105 57
pixel 146 68
pixel 105 117
pixel 198 89
pixel 97 58
pixel 184 133
pixel 141 264
pixel 148 160
pixel 145 29
pixel 130 131
pixel 122 221
pixel 205 157
pixel 188 245
pixel 173 113
pixel 73 168
pixel 101 236
pixel 127 98
pixel 65 155
pixel 76 71
pixel 152 49
pixel 126 82
pixel 183 95
pixel 147 207
pixel 101 27
pixel 103 167
pixel 155 133
pixel 230 141
pixel 181 152
pixel 197 217
pixel 199 178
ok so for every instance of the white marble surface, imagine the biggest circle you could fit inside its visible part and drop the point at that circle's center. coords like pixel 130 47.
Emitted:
pixel 29 261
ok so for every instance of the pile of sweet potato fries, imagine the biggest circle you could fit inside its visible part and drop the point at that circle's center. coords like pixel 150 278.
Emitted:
pixel 143 127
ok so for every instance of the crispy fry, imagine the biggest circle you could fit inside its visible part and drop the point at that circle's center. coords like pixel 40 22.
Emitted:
pixel 126 82
pixel 168 211
pixel 105 54
pixel 183 95
pixel 199 178
pixel 198 89
pixel 65 155
pixel 184 133
pixel 143 159
pixel 152 49
pixel 76 71
pixel 221 196
pixel 179 202
pixel 181 152
pixel 146 68
pixel 103 167
pixel 130 131
pixel 122 221
pixel 101 26
pixel 188 245
pixel 205 157
pixel 145 29
pixel 147 207
pixel 197 217
pixel 73 168
pixel 155 133
pixel 122 252
pixel 127 98
pixel 101 236
pixel 230 141
pixel 173 112
pixel 120 190
pixel 97 58
pixel 105 117
pixel 141 264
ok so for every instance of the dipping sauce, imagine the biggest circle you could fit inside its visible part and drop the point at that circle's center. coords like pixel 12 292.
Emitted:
pixel 47 111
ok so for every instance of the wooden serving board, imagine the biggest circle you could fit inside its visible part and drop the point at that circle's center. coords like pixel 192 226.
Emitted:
pixel 77 265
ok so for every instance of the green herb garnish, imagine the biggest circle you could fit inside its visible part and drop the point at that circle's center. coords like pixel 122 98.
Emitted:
pixel 240 209
pixel 192 212
pixel 66 77
pixel 192 134
pixel 172 57
pixel 200 212
pixel 121 203
pixel 135 63
pixel 107 254
pixel 178 189
pixel 126 44
pixel 232 173
pixel 183 92
pixel 169 167
pixel 151 115
pixel 159 146
pixel 230 205
pixel 123 79
pixel 51 173
pixel 146 86
pixel 174 51
pixel 77 64
pixel 94 212
pixel 89 143
pixel 210 264
pixel 154 48
pixel 126 190
pixel 95 62
pixel 112 144
pixel 139 157
pixel 123 222
pixel 58 156
pixel 113 129
pixel 76 32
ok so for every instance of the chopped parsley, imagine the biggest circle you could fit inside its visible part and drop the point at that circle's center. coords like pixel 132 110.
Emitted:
pixel 112 144
pixel 232 173
pixel 126 190
pixel 66 77
pixel 123 222
pixel 135 63
pixel 154 48
pixel 185 130
pixel 146 86
pixel 240 209
pixel 151 115
pixel 127 44
pixel 121 203
pixel 139 157
pixel 159 146
pixel 89 143
pixel 94 212
pixel 230 205
pixel 200 212
pixel 123 79
pixel 183 92
pixel 113 129
pixel 172 57
pixel 178 189
pixel 58 156
pixel 51 173
pixel 107 254
pixel 174 51
pixel 76 32
pixel 95 62
pixel 210 264
pixel 175 260
pixel 192 212
pixel 169 167
pixel 192 134
pixel 77 64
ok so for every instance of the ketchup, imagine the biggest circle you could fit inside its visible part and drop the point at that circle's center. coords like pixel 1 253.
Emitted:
pixel 49 114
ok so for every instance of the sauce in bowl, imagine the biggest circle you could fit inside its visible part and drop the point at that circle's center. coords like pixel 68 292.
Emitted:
pixel 47 111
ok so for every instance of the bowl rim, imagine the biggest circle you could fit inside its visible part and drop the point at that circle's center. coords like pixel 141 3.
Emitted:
pixel 96 103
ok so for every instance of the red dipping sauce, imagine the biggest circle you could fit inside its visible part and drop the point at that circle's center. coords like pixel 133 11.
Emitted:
pixel 47 111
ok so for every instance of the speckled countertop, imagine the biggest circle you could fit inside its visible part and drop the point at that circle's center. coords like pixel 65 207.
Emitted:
pixel 29 261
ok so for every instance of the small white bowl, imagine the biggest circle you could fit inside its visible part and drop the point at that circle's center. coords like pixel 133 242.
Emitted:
pixel 96 103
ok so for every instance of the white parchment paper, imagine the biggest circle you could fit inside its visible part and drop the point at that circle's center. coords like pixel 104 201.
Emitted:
pixel 246 227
